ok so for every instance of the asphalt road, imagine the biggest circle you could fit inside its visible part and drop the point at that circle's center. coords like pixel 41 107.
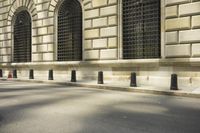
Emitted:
pixel 43 108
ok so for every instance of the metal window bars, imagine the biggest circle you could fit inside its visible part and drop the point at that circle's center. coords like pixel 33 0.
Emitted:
pixel 69 35
pixel 22 37
pixel 141 29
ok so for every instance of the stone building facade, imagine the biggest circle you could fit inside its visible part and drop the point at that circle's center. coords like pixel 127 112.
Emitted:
pixel 102 41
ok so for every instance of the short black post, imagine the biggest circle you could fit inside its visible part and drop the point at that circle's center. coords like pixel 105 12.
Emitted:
pixel 1 73
pixel 100 77
pixel 73 76
pixel 51 74
pixel 15 73
pixel 31 74
pixel 174 82
pixel 133 80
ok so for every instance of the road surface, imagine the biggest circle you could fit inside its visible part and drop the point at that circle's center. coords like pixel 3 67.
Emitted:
pixel 44 108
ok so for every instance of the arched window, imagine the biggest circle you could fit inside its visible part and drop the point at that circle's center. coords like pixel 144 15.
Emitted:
pixel 69 47
pixel 141 29
pixel 22 37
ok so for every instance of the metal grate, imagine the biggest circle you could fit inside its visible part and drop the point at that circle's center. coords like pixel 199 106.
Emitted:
pixel 69 31
pixel 141 29
pixel 22 37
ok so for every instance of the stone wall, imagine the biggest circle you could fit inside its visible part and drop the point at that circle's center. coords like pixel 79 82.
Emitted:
pixel 182 26
pixel 101 29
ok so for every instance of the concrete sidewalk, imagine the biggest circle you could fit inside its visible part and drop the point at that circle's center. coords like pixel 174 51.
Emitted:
pixel 121 86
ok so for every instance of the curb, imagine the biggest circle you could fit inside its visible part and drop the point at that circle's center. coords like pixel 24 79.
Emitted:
pixel 107 87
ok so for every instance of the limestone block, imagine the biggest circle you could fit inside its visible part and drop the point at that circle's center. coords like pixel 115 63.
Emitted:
pixel 34 32
pixel 112 42
pixel 99 22
pixel 7 43
pixel 177 23
pixel 1 59
pixel 189 36
pixel 109 31
pixel 5 51
pixel 36 57
pixel 42 48
pixel 51 14
pixel 108 10
pixel 97 3
pixel 48 39
pixel 91 13
pixel 88 44
pixel 34 48
pixel 173 2
pixel 3 10
pixel 48 21
pixel 196 49
pixel 171 37
pixel 42 14
pixel 91 33
pixel 50 29
pixel 196 21
pixel 100 43
pixel 171 11
pixel 7 36
pixel 53 2
pixel 5 3
pixel 181 50
pixel 91 54
pixel 48 56
pixel 86 1
pixel 42 31
pixel 1 23
pixel 88 6
pixel 50 47
pixel 1 44
pixel 51 8
pixel 108 54
pixel 88 23
pixel 189 9
pixel 37 23
pixel 45 6
pixel 2 37
pixel 36 40
pixel 112 20
pixel 112 1
pixel 6 59
pixel 39 7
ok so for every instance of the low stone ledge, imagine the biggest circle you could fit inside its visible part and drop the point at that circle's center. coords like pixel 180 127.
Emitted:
pixel 112 63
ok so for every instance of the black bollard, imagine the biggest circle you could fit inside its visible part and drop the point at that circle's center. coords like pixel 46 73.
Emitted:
pixel 73 76
pixel 133 80
pixel 100 78
pixel 1 73
pixel 174 82
pixel 31 74
pixel 50 74
pixel 15 73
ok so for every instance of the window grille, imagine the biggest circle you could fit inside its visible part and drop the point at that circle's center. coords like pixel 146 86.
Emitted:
pixel 141 29
pixel 69 31
pixel 22 37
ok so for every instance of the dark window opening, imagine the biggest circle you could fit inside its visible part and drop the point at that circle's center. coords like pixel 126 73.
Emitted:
pixel 69 31
pixel 22 37
pixel 141 29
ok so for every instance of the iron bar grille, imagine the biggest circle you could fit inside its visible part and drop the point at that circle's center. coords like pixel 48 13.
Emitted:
pixel 141 29
pixel 22 37
pixel 69 31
